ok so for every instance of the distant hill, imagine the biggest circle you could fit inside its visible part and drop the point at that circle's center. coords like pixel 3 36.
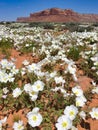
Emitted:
pixel 59 15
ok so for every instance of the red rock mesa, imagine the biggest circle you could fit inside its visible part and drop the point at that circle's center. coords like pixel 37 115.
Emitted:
pixel 59 15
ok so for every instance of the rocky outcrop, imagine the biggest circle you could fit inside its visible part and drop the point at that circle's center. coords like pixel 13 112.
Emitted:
pixel 59 15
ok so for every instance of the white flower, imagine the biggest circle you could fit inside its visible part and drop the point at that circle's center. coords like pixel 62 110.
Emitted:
pixel 95 90
pixel 28 87
pixel 23 71
pixel 74 77
pixel 74 128
pixel 38 86
pixel 18 125
pixel 82 115
pixel 77 91
pixel 63 123
pixel 2 121
pixel 5 90
pixel 94 113
pixel 39 73
pixel 53 74
pixel 16 92
pixel 56 89
pixel 71 69
pixel 71 112
pixel 35 110
pixel 33 95
pixel 10 65
pixel 0 126
pixel 93 83
pixel 14 70
pixel 33 67
pixel 97 72
pixel 59 80
pixel 34 117
pixel 4 63
pixel 63 91
pixel 3 77
pixel 10 77
pixel 96 63
pixel 25 62
pixel 80 101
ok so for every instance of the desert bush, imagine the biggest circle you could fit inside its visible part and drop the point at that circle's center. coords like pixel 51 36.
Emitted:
pixel 73 53
pixel 48 26
pixel 95 24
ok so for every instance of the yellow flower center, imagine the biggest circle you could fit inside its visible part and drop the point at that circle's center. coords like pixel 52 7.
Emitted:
pixel 34 118
pixel 19 127
pixel 71 113
pixel 38 86
pixel 32 67
pixel 77 103
pixel 96 114
pixel 76 93
pixel 64 124
pixel 33 93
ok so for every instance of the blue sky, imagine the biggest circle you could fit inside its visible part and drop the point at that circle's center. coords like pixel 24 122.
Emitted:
pixel 11 9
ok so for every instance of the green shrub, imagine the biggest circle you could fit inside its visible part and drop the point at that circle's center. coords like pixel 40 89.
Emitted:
pixel 48 26
pixel 74 53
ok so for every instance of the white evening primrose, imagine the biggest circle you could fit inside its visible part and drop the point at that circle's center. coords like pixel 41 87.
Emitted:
pixel 18 125
pixel 2 121
pixel 82 114
pixel 71 69
pixel 23 71
pixel 97 72
pixel 10 77
pixel 96 63
pixel 95 58
pixel 59 80
pixel 5 90
pixel 33 67
pixel 63 123
pixel 77 91
pixel 38 86
pixel 63 91
pixel 80 101
pixel 94 113
pixel 35 109
pixel 95 90
pixel 4 78
pixel 33 95
pixel 74 77
pixel 93 83
pixel 25 62
pixel 34 117
pixel 0 126
pixel 74 128
pixel 38 73
pixel 53 74
pixel 10 65
pixel 14 70
pixel 55 89
pixel 28 87
pixel 4 63
pixel 16 92
pixel 71 112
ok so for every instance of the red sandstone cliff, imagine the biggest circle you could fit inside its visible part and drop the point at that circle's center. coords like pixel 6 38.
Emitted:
pixel 59 15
